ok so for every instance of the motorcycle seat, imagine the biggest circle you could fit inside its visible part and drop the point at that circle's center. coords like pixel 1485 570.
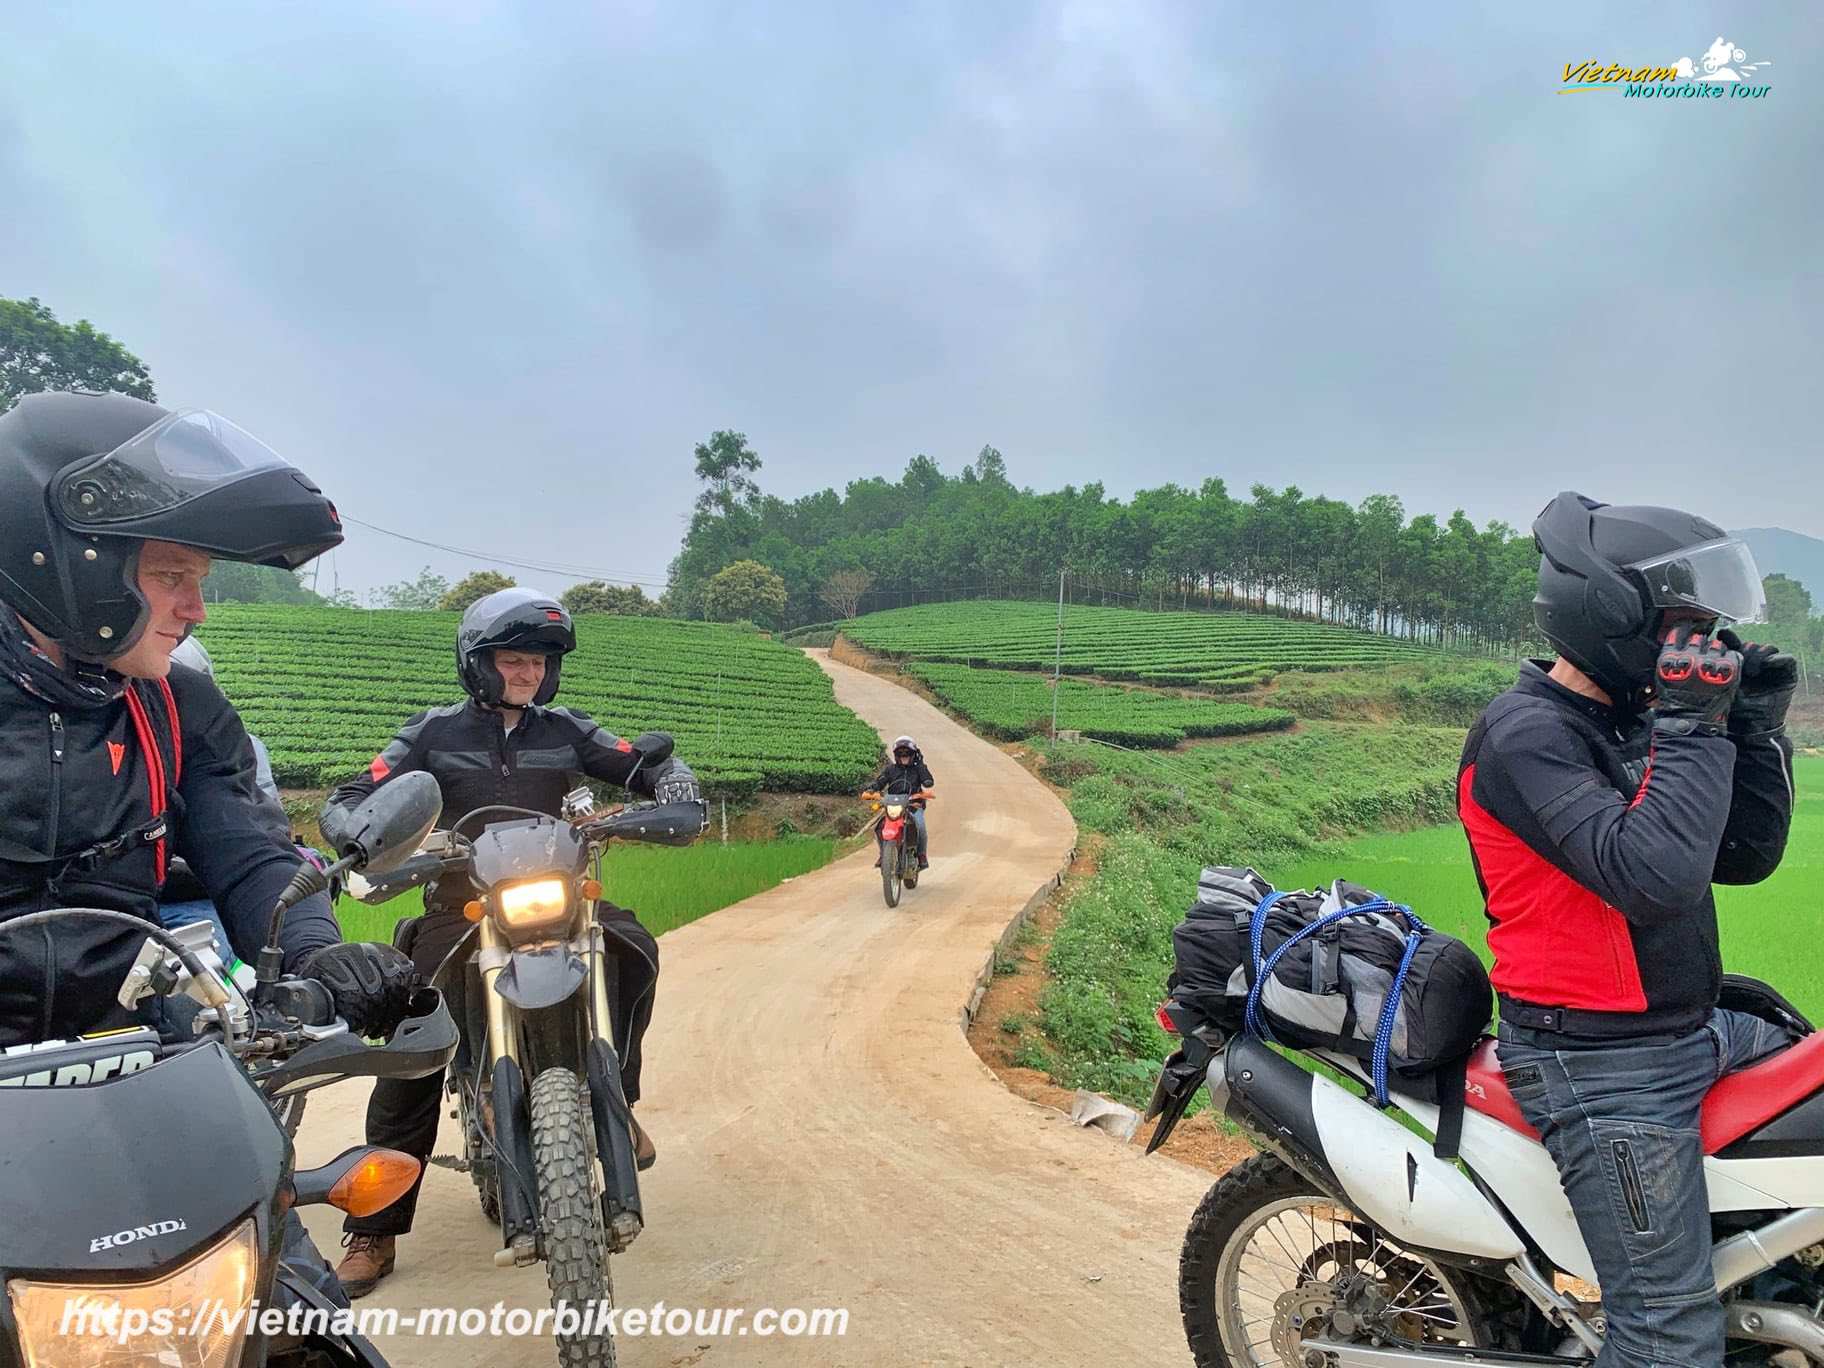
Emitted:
pixel 1739 1103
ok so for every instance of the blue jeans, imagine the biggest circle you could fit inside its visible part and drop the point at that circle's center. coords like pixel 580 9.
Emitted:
pixel 174 915
pixel 918 820
pixel 1621 1122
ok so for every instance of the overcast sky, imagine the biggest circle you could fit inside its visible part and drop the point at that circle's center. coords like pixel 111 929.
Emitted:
pixel 488 272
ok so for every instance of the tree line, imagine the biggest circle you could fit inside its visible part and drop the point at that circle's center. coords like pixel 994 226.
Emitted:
pixel 929 535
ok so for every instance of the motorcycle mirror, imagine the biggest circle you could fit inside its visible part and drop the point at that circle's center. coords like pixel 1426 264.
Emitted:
pixel 654 746
pixel 392 822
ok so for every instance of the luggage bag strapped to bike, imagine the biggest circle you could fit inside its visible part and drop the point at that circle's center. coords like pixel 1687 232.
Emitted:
pixel 1344 970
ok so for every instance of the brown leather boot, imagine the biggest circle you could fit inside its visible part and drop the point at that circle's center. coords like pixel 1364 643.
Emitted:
pixel 645 1155
pixel 369 1259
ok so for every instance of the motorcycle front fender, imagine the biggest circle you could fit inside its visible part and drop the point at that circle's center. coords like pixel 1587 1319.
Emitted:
pixel 534 979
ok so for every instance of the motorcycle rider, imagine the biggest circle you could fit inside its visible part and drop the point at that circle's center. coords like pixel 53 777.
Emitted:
pixel 908 773
pixel 505 744
pixel 111 510
pixel 183 899
pixel 1597 826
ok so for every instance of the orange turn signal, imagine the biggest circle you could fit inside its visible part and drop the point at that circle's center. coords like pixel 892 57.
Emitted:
pixel 381 1178
pixel 473 910
pixel 592 889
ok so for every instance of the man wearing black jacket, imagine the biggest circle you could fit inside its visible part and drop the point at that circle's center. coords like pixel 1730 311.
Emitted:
pixel 112 764
pixel 908 773
pixel 504 745
pixel 1603 795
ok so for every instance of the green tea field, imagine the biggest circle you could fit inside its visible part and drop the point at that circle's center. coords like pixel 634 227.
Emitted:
pixel 1123 643
pixel 1011 704
pixel 326 687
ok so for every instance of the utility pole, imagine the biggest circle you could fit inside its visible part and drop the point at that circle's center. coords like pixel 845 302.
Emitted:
pixel 1057 667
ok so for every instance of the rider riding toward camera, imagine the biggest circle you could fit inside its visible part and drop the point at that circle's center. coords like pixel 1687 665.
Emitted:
pixel 504 745
pixel 111 510
pixel 908 774
pixel 1602 795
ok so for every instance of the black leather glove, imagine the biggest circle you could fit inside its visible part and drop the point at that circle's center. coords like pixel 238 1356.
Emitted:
pixel 1695 679
pixel 372 984
pixel 1770 677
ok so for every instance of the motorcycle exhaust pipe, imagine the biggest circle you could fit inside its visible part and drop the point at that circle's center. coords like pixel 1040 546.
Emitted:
pixel 513 1146
pixel 622 1215
pixel 1271 1097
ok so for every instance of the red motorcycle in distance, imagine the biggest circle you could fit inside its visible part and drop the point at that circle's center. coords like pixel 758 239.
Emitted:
pixel 897 836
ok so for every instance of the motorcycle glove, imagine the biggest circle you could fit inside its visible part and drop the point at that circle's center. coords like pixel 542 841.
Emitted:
pixel 1770 677
pixel 372 984
pixel 1696 679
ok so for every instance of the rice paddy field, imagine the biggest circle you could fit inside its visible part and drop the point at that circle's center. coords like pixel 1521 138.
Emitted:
pixel 666 887
pixel 1773 930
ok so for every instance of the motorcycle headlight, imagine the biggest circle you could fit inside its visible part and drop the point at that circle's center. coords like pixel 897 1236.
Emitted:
pixel 894 809
pixel 537 905
pixel 193 1318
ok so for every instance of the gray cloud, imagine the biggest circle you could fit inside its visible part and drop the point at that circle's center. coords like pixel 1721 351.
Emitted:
pixel 489 274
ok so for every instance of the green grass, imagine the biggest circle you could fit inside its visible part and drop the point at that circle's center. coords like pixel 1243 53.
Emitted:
pixel 326 688
pixel 1013 704
pixel 1123 643
pixel 667 888
pixel 1770 929
pixel 1443 691
pixel 1303 810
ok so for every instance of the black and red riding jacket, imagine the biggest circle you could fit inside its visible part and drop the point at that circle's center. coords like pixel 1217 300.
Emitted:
pixel 1596 837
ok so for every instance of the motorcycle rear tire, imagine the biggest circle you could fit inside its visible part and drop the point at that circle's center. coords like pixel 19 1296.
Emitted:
pixel 576 1246
pixel 1252 1185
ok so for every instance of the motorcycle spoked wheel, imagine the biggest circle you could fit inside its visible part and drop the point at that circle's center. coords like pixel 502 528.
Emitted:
pixel 1265 1242
pixel 575 1245
pixel 890 856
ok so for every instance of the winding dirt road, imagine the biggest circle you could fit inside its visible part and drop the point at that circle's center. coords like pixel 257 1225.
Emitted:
pixel 827 1138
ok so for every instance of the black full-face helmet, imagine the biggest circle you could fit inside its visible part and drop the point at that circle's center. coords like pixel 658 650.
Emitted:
pixel 85 479
pixel 511 620
pixel 1610 577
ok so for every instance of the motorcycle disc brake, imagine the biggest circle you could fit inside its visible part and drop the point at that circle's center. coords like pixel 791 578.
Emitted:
pixel 1300 1314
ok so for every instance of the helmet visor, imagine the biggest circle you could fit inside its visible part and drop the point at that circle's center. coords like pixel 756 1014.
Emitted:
pixel 178 458
pixel 1719 578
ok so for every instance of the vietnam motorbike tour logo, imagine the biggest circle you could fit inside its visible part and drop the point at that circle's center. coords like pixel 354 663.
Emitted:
pixel 1723 72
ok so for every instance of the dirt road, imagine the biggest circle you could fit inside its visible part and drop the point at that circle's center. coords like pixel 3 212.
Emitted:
pixel 828 1139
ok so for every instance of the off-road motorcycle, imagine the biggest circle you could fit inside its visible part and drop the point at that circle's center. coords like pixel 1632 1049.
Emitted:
pixel 1347 1243
pixel 896 836
pixel 146 1181
pixel 537 1079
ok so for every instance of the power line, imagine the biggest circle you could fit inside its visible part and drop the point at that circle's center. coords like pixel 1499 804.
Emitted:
pixel 544 567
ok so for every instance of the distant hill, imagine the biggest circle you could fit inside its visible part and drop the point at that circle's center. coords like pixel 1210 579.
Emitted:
pixel 1793 554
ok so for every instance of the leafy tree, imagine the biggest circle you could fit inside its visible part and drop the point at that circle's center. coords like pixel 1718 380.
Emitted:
pixel 1788 601
pixel 420 595
pixel 842 591
pixel 39 353
pixel 726 464
pixel 595 596
pixel 471 587
pixel 746 589
pixel 238 582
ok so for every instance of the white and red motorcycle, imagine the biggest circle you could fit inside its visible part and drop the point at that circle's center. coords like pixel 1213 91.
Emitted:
pixel 1347 1243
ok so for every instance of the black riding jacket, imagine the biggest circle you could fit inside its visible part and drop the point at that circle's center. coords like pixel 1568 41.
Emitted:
pixel 1596 837
pixel 72 779
pixel 905 778
pixel 477 762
